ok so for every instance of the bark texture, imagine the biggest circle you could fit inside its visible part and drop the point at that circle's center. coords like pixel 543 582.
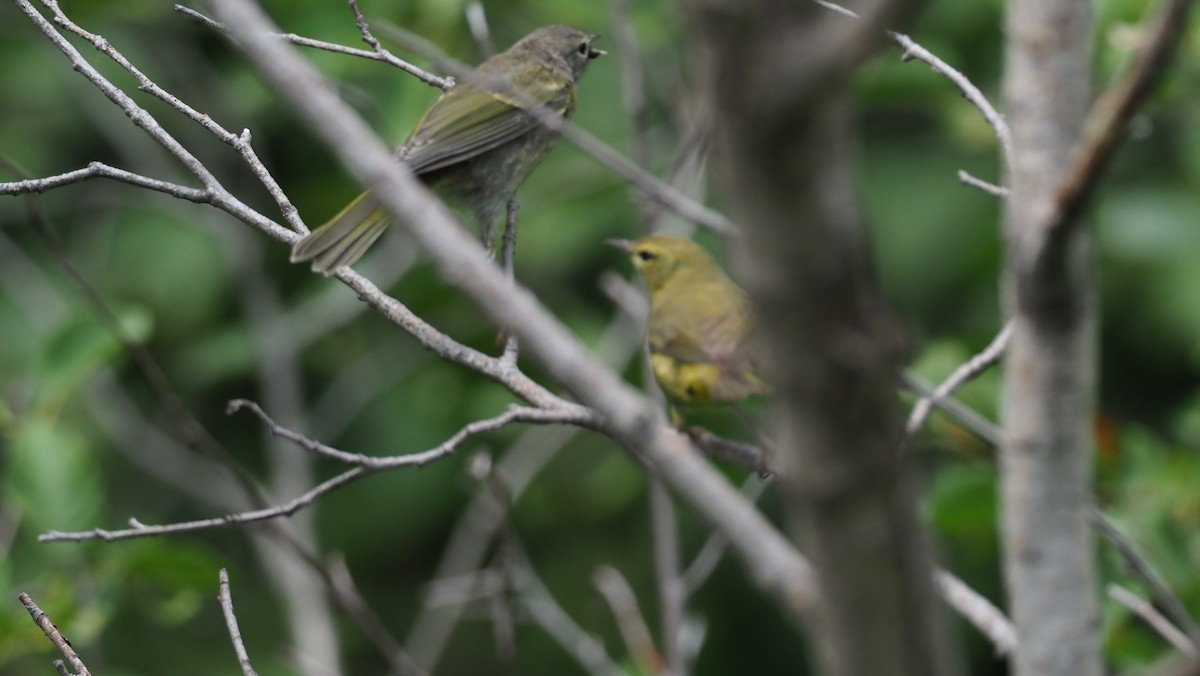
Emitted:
pixel 778 74
pixel 1047 405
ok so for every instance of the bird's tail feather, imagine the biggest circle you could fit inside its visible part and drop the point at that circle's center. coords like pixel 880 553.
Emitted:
pixel 345 237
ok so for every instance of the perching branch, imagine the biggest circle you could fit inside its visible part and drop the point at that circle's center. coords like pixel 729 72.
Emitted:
pixel 1102 130
pixel 627 416
pixel 42 620
pixel 235 635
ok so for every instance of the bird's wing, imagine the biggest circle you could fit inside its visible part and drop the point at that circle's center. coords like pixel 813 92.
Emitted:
pixel 468 121
pixel 720 341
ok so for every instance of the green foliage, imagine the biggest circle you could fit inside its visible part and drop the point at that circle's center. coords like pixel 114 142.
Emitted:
pixel 179 277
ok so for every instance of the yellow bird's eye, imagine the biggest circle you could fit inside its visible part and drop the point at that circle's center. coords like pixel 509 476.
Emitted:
pixel 646 255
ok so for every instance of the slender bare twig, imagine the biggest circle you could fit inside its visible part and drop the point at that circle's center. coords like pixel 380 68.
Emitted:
pixel 235 635
pixel 912 50
pixel 734 452
pixel 42 620
pixel 346 593
pixel 375 54
pixel 239 142
pixel 772 561
pixel 476 528
pixel 1104 124
pixel 979 611
pixel 478 23
pixel 705 562
pixel 1142 567
pixel 963 414
pixel 1150 615
pixel 102 170
pixel 965 373
pixel 621 599
pixel 372 462
pixel 672 593
pixel 653 187
pixel 587 650
pixel 975 182
pixel 138 529
pixel 633 80
pixel 363 465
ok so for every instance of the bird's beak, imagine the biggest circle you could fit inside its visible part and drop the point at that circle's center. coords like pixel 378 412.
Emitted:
pixel 594 53
pixel 625 245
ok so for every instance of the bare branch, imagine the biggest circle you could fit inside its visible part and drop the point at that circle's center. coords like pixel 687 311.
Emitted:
pixel 235 635
pixel 372 462
pixel 1160 624
pixel 979 611
pixel 351 601
pixel 140 530
pixel 549 615
pixel 627 416
pixel 1142 567
pixel 477 21
pixel 375 54
pixel 990 188
pixel 633 79
pixel 42 620
pixel 672 594
pixel 912 50
pixel 963 414
pixel 965 373
pixel 101 170
pixel 624 605
pixel 1106 120
pixel 654 188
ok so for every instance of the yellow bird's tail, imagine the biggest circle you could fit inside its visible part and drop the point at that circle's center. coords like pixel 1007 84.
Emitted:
pixel 344 238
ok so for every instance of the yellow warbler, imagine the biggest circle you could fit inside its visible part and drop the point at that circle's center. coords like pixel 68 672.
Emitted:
pixel 699 324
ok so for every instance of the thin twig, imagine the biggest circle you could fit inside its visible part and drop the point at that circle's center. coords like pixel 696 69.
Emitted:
pixel 235 635
pixel 975 182
pixel 960 412
pixel 1150 615
pixel 42 620
pixel 621 599
pixel 979 611
pixel 348 597
pixel 702 567
pixel 965 373
pixel 1141 566
pixel 512 415
pixel 478 23
pixel 772 561
pixel 633 79
pixel 1105 122
pixel 379 54
pixel 140 530
pixel 912 50
pixel 641 178
pixel 672 594
pixel 587 650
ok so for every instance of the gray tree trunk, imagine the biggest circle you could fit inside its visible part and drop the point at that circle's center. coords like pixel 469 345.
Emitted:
pixel 1047 404
pixel 778 73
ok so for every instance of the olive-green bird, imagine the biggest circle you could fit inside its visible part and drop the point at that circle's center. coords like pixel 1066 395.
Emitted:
pixel 475 145
pixel 700 323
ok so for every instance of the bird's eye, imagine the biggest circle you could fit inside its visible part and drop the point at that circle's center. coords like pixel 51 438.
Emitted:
pixel 584 49
pixel 645 255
